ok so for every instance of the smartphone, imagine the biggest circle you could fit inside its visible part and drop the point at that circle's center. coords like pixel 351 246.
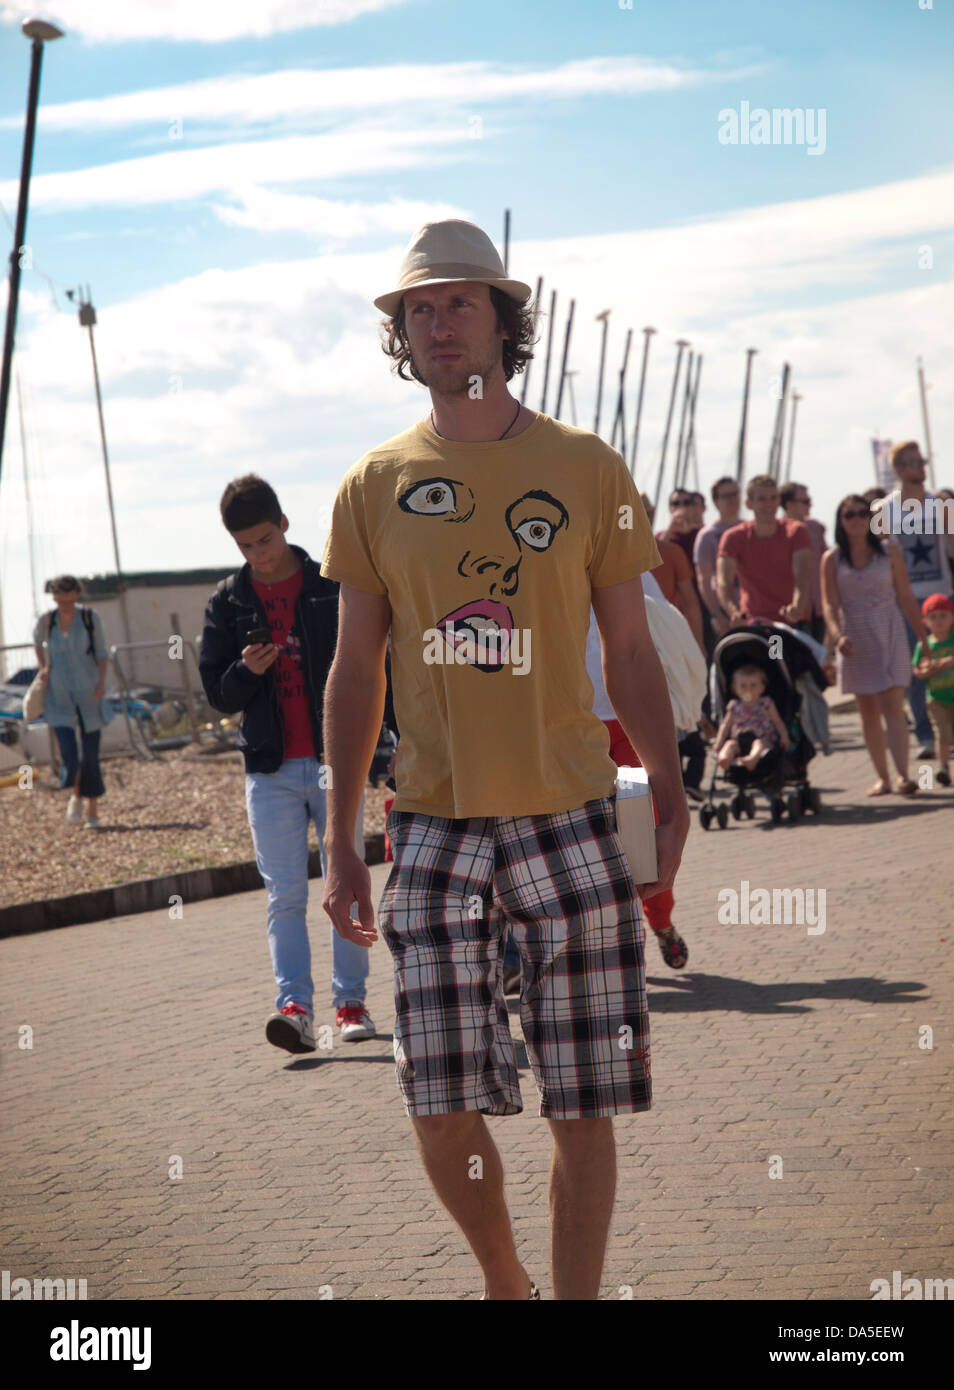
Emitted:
pixel 258 634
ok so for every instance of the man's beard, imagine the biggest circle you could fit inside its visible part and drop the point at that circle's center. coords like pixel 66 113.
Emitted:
pixel 458 378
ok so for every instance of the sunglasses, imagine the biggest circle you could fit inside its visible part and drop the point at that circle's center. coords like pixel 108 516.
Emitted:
pixel 850 514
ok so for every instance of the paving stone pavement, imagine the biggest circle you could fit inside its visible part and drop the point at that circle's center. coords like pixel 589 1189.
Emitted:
pixel 775 1050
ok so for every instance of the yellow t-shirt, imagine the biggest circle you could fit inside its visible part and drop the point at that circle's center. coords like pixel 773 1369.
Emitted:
pixel 487 553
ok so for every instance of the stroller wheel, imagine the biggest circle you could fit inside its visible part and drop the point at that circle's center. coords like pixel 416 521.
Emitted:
pixel 794 805
pixel 815 801
pixel 735 806
pixel 803 798
pixel 722 815
pixel 750 806
pixel 778 809
pixel 705 816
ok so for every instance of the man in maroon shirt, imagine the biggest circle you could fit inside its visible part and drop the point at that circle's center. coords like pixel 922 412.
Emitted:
pixel 683 524
pixel 771 558
pixel 797 504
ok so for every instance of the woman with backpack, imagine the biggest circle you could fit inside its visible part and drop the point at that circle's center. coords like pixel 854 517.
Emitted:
pixel 71 653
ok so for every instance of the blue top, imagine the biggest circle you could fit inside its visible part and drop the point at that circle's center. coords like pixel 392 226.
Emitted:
pixel 74 674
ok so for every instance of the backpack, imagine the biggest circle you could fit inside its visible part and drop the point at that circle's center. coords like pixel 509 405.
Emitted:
pixel 87 616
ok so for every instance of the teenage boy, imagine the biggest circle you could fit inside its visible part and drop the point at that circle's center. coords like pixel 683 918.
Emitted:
pixel 480 537
pixel 267 646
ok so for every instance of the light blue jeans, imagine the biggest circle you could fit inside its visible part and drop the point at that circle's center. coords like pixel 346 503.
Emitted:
pixel 917 695
pixel 280 805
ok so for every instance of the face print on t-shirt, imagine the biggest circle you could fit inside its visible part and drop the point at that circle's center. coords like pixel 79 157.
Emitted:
pixel 492 551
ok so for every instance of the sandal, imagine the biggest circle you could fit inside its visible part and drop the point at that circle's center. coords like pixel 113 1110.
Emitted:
pixel 675 952
pixel 906 787
pixel 880 788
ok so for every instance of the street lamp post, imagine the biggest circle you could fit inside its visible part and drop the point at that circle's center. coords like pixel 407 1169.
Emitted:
pixel 87 318
pixel 39 32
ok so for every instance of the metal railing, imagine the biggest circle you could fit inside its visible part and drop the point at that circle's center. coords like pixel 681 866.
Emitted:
pixel 143 748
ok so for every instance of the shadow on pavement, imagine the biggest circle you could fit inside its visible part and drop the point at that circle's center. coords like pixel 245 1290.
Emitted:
pixel 876 811
pixel 698 993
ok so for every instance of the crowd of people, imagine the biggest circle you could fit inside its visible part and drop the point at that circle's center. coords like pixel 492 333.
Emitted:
pixel 876 602
pixel 482 526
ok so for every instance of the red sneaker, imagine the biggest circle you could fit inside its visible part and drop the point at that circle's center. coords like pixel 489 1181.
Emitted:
pixel 292 1029
pixel 355 1022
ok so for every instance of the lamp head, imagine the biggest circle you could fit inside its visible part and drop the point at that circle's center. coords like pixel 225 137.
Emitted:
pixel 40 29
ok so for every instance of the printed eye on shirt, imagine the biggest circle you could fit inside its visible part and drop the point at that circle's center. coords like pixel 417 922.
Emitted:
pixel 488 553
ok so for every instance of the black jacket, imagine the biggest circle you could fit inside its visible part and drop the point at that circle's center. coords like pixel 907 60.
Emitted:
pixel 232 612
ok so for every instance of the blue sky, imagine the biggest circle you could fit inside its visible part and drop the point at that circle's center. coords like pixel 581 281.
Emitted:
pixel 235 202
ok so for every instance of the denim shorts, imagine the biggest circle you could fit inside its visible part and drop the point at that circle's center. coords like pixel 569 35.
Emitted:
pixel 561 884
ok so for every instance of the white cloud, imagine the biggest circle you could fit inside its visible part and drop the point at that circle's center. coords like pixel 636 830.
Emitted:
pixel 297 93
pixel 267 211
pixel 209 21
pixel 187 173
pixel 740 259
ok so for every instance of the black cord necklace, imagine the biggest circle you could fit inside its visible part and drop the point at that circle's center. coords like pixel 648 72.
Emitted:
pixel 499 437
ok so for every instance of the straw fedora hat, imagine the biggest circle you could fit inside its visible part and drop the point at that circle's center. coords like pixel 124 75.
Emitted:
pixel 442 252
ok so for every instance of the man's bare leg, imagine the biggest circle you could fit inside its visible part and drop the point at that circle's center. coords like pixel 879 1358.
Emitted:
pixel 582 1192
pixel 448 1145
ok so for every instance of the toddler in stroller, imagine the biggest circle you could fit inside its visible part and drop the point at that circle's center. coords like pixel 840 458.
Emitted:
pixel 752 724
pixel 761 743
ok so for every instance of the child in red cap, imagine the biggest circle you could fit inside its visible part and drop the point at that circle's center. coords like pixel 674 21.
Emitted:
pixel 938 670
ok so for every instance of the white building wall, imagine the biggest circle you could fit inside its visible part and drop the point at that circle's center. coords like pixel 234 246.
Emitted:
pixel 150 620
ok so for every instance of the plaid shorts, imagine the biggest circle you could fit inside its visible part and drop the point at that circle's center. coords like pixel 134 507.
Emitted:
pixel 562 886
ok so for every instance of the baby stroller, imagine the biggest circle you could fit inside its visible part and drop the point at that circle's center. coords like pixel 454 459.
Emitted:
pixel 788 663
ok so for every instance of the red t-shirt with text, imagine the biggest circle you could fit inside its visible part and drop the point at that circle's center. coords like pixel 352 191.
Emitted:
pixel 279 601
pixel 764 565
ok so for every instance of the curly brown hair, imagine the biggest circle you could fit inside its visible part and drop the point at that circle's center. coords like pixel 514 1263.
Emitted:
pixel 518 321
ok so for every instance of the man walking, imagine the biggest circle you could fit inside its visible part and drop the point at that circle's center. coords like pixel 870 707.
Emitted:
pixel 913 516
pixel 480 537
pixel 771 558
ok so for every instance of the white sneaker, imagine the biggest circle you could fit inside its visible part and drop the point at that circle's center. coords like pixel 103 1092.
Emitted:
pixel 91 823
pixel 355 1022
pixel 292 1028
pixel 74 811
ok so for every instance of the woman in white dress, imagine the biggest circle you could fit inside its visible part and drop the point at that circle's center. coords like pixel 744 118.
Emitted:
pixel 866 596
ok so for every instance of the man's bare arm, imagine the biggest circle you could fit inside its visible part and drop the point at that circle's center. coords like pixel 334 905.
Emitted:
pixel 354 709
pixel 725 574
pixel 800 606
pixel 354 705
